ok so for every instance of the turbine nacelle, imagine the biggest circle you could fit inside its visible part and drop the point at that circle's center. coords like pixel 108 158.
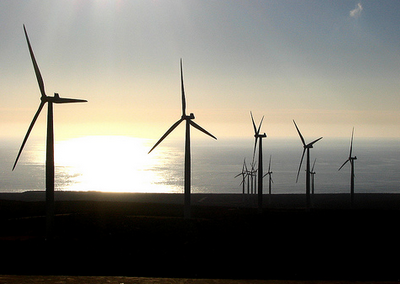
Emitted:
pixel 260 135
pixel 58 100
pixel 191 116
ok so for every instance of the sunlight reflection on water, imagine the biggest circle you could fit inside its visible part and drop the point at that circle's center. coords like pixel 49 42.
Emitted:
pixel 110 163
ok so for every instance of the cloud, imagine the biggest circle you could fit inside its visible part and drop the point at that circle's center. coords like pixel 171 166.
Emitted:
pixel 355 13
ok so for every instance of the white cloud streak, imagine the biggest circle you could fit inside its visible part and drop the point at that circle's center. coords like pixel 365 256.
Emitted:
pixel 356 13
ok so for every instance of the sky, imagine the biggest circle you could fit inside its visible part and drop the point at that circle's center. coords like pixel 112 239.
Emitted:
pixel 330 65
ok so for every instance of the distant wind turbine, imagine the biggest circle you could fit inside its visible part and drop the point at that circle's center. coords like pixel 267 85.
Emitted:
pixel 249 175
pixel 306 148
pixel 351 160
pixel 270 181
pixel 189 121
pixel 259 137
pixel 252 173
pixel 243 173
pixel 49 142
pixel 312 176
pixel 269 174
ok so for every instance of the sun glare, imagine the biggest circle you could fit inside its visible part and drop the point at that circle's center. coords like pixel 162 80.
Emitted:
pixel 107 163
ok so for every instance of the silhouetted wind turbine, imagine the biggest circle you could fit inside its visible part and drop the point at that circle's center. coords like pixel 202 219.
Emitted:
pixel 189 121
pixel 351 160
pixel 312 176
pixel 259 136
pixel 270 181
pixel 307 148
pixel 269 173
pixel 243 174
pixel 253 173
pixel 49 142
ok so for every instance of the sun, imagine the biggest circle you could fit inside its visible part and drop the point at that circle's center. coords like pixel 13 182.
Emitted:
pixel 108 164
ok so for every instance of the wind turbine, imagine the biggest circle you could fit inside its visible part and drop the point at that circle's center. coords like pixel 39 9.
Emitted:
pixel 253 174
pixel 189 122
pixel 269 173
pixel 306 148
pixel 312 176
pixel 249 175
pixel 351 160
pixel 259 136
pixel 270 181
pixel 49 141
pixel 243 174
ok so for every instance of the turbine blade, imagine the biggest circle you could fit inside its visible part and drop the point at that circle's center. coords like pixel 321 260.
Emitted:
pixel 238 175
pixel 255 146
pixel 351 143
pixel 259 127
pixel 65 101
pixel 254 124
pixel 35 66
pixel 183 93
pixel 343 164
pixel 269 165
pixel 312 169
pixel 301 162
pixel 301 136
pixel 195 125
pixel 166 133
pixel 310 144
pixel 253 164
pixel 28 132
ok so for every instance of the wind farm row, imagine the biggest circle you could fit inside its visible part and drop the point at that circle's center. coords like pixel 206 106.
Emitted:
pixel 252 176
pixel 246 174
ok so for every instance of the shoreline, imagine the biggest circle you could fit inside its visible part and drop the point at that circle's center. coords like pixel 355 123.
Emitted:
pixel 377 201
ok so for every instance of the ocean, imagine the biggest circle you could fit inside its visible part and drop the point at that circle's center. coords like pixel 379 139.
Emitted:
pixel 121 164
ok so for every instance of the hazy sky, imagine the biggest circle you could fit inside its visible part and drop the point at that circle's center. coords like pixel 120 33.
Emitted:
pixel 330 65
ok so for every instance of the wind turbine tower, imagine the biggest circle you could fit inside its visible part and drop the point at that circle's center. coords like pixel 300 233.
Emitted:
pixel 189 122
pixel 49 140
pixel 306 148
pixel 351 160
pixel 259 137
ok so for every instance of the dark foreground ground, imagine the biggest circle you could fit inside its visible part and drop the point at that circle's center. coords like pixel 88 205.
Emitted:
pixel 146 236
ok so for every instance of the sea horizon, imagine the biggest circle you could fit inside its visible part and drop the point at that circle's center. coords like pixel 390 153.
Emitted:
pixel 121 164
